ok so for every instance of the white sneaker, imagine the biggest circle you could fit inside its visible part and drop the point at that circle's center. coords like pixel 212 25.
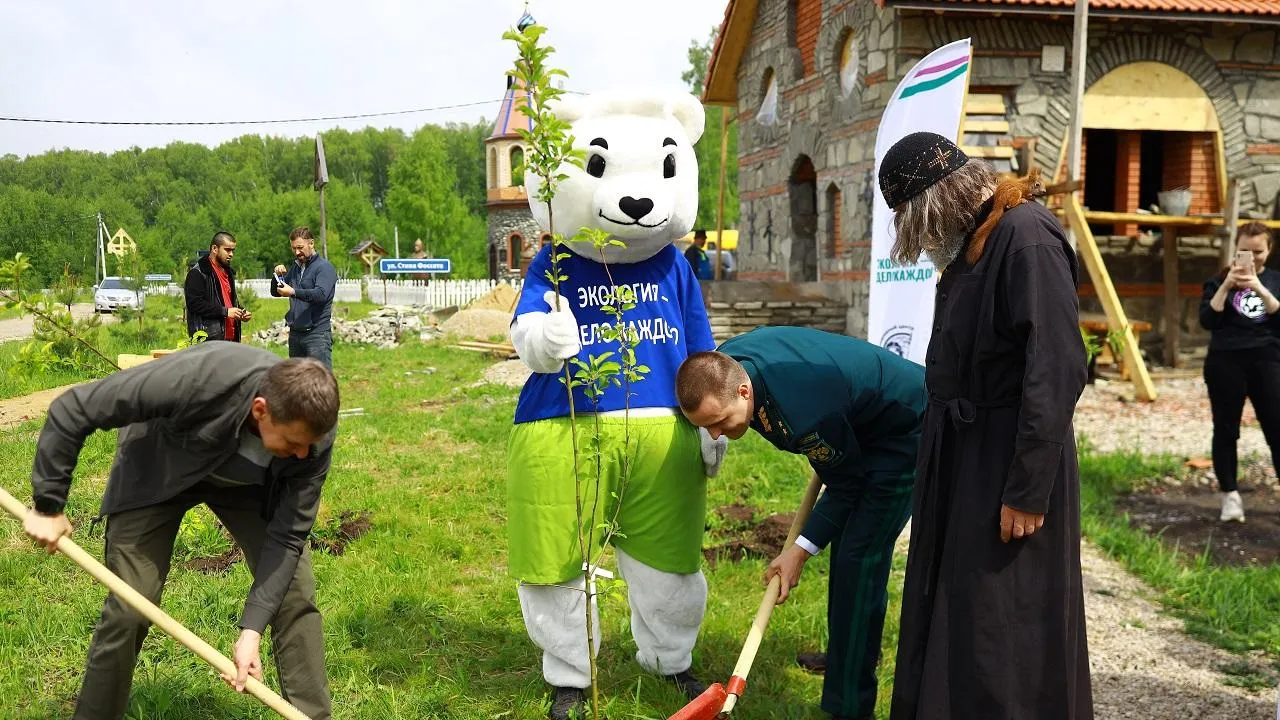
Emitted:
pixel 1232 507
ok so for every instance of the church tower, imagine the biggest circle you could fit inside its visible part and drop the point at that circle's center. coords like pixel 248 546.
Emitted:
pixel 514 236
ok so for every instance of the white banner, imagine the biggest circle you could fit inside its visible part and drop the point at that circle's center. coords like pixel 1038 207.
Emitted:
pixel 930 98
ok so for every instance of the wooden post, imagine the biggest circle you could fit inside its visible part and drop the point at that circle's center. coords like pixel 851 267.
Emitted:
pixel 724 157
pixel 1172 302
pixel 1079 49
pixel 1116 317
pixel 1231 222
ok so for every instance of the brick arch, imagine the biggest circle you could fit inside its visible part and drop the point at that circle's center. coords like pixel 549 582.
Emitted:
pixel 1196 63
pixel 804 139
pixel 830 38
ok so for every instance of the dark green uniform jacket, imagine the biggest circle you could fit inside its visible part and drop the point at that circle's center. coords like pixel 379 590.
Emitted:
pixel 853 408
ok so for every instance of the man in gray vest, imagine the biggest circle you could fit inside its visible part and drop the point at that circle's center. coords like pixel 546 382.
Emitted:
pixel 226 425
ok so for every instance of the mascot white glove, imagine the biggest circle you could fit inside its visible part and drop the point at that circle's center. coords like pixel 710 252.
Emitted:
pixel 560 329
pixel 713 450
pixel 545 339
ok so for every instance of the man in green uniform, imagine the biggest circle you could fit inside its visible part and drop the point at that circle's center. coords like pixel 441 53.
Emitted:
pixel 854 409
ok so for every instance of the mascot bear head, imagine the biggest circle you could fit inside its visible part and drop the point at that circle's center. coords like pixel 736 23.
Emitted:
pixel 640 179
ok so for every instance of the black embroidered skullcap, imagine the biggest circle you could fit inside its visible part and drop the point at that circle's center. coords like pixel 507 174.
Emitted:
pixel 915 163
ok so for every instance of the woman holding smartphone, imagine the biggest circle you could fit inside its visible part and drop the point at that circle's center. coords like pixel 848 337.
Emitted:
pixel 1239 309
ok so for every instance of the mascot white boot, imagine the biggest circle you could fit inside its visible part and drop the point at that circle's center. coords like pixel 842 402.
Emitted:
pixel 640 184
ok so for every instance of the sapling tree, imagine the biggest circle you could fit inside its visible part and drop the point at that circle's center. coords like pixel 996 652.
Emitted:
pixel 549 149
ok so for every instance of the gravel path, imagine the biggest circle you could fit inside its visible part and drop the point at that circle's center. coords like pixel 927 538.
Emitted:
pixel 1144 666
pixel 1178 422
pixel 21 328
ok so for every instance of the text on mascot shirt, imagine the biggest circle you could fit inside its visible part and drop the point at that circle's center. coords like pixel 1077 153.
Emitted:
pixel 669 315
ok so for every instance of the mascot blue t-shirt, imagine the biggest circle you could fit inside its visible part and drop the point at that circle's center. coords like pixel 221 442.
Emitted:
pixel 669 313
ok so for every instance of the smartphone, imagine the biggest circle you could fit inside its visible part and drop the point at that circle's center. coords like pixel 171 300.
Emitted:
pixel 1244 260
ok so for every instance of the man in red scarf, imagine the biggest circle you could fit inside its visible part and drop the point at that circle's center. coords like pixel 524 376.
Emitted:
pixel 210 291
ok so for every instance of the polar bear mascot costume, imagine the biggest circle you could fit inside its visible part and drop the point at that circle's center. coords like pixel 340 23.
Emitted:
pixel 640 184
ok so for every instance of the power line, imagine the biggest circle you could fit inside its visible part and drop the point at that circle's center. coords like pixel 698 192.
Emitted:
pixel 250 122
pixel 358 116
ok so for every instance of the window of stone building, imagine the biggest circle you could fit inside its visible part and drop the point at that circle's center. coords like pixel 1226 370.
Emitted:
pixel 847 62
pixel 493 168
pixel 517 166
pixel 514 242
pixel 835 243
pixel 544 241
pixel 768 112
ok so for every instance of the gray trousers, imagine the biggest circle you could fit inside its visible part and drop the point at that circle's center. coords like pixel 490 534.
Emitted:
pixel 139 547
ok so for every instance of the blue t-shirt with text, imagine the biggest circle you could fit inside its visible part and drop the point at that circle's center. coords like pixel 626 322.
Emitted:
pixel 669 317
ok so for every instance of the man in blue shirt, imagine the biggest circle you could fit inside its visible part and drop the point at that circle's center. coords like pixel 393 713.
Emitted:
pixel 309 285
pixel 854 409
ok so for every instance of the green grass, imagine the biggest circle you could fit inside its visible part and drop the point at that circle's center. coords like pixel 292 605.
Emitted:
pixel 1231 607
pixel 421 619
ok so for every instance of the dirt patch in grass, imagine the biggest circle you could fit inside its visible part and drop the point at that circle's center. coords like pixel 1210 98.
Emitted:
pixel 335 535
pixel 1187 516
pixel 215 565
pixel 764 539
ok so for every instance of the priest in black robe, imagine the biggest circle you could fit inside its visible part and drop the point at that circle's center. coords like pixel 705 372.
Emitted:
pixel 993 624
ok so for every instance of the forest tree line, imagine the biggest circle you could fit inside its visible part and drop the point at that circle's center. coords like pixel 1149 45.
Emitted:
pixel 428 184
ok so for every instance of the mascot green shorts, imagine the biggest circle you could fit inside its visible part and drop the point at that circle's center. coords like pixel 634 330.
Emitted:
pixel 663 501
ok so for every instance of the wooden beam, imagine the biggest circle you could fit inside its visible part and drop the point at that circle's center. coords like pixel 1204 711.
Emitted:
pixel 987 126
pixel 1075 131
pixel 1232 210
pixel 1107 294
pixel 1203 221
pixel 998 151
pixel 1222 167
pixel 984 104
pixel 724 157
pixel 1064 187
pixel 1172 303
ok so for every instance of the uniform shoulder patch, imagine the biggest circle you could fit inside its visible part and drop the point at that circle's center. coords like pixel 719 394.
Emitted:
pixel 816 449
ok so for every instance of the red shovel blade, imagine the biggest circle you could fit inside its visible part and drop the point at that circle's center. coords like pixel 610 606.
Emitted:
pixel 704 707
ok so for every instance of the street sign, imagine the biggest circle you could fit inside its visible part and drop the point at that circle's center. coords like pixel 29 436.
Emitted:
pixel 157 278
pixel 414 265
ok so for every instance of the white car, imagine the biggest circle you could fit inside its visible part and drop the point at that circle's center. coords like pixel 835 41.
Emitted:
pixel 113 293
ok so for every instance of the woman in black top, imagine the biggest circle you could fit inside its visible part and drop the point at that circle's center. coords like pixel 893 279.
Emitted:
pixel 1239 309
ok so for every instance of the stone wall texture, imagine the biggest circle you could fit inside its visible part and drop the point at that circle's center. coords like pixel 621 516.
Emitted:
pixel 503 221
pixel 820 149
pixel 740 306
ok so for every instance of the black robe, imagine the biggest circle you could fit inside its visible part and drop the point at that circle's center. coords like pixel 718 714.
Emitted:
pixel 996 631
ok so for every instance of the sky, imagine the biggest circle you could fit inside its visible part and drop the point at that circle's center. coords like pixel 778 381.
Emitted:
pixel 202 60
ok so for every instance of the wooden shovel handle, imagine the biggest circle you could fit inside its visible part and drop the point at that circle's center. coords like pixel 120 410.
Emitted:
pixel 158 617
pixel 770 599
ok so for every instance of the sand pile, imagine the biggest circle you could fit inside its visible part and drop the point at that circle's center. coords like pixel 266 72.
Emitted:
pixel 503 297
pixel 479 324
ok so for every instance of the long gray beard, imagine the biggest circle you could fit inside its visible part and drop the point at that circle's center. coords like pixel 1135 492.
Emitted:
pixel 947 254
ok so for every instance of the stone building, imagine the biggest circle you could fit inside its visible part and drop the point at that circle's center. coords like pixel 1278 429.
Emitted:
pixel 1180 94
pixel 514 236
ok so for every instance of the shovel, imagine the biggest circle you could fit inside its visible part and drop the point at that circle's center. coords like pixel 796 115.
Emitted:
pixel 158 617
pixel 721 699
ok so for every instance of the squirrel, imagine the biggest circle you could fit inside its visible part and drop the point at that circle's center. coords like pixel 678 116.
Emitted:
pixel 1009 194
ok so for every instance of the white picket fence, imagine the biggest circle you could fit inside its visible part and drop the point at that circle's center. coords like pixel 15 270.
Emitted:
pixel 346 290
pixel 429 293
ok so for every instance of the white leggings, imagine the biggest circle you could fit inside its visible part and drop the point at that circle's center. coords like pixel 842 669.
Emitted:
pixel 666 614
